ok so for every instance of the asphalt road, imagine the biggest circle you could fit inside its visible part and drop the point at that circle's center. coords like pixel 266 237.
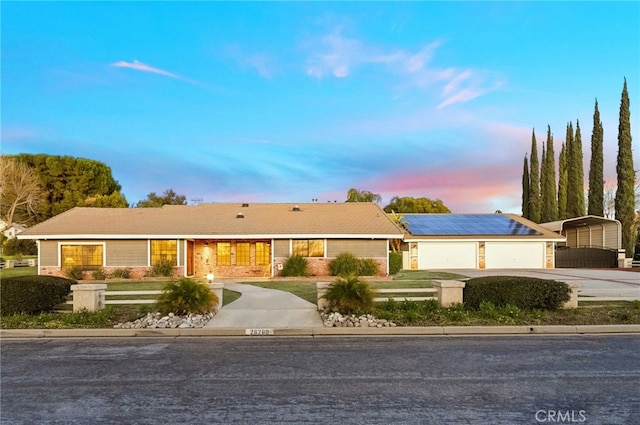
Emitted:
pixel 362 380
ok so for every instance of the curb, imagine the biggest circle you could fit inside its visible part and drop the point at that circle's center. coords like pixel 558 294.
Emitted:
pixel 312 332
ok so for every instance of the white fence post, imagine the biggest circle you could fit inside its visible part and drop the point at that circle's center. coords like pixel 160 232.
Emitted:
pixel 88 296
pixel 449 292
pixel 321 288
pixel 217 288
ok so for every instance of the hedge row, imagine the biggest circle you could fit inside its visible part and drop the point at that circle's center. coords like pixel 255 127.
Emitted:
pixel 32 294
pixel 522 292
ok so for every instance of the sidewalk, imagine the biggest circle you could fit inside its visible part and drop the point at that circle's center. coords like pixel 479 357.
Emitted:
pixel 265 308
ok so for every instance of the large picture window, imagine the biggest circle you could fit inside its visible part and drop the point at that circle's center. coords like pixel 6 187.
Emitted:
pixel 223 254
pixel 309 248
pixel 164 250
pixel 89 257
pixel 263 253
pixel 243 257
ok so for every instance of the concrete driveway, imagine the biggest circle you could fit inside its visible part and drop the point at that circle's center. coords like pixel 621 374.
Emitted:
pixel 601 283
pixel 260 308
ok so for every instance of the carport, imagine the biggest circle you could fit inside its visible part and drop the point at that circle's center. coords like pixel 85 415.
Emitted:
pixel 591 241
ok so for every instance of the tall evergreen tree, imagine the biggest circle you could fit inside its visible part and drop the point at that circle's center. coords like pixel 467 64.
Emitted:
pixel 548 182
pixel 625 194
pixel 596 167
pixel 562 183
pixel 575 187
pixel 534 182
pixel 525 188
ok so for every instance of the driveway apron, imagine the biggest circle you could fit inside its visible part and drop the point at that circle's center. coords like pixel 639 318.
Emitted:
pixel 265 308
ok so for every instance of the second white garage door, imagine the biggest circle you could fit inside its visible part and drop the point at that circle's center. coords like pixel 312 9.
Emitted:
pixel 515 255
pixel 447 255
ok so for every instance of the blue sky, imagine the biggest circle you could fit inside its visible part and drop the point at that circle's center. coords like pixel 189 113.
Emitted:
pixel 294 101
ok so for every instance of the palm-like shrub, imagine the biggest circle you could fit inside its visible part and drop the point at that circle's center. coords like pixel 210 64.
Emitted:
pixel 296 265
pixel 186 296
pixel 350 295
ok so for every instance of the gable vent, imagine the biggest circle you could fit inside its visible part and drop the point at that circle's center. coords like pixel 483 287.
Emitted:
pixel 240 215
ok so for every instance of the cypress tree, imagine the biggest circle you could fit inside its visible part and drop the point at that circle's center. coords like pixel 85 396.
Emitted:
pixel 534 182
pixel 625 196
pixel 525 188
pixel 548 182
pixel 562 183
pixel 596 167
pixel 575 188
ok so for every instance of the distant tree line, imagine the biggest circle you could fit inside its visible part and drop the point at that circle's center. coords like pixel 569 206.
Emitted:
pixel 542 203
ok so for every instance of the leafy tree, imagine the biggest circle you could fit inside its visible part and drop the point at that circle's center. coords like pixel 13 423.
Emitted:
pixel 408 204
pixel 596 167
pixel 20 192
pixel 563 178
pixel 549 210
pixel 535 204
pixel 525 189
pixel 169 197
pixel 355 195
pixel 70 182
pixel 625 196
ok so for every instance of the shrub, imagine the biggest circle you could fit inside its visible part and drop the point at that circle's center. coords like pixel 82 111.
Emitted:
pixel 98 274
pixel 32 294
pixel 73 272
pixel 344 264
pixel 347 263
pixel 162 268
pixel 186 296
pixel 121 273
pixel 523 292
pixel 295 265
pixel 395 262
pixel 368 267
pixel 350 295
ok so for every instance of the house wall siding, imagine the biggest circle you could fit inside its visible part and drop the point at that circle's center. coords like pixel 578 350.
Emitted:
pixel 359 248
pixel 281 248
pixel 48 253
pixel 127 253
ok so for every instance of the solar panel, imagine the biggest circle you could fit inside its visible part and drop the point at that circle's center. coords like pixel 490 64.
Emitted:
pixel 466 224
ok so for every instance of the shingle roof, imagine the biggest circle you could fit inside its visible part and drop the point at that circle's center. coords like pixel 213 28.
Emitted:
pixel 220 220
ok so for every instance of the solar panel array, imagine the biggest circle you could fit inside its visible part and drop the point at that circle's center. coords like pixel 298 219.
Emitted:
pixel 466 224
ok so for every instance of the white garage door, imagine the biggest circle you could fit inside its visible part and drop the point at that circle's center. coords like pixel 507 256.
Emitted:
pixel 447 255
pixel 515 255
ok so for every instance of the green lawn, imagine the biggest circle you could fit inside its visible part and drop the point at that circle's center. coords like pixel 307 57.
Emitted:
pixel 18 271
pixel 305 290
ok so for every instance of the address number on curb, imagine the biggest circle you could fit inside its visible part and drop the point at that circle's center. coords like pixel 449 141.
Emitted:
pixel 258 332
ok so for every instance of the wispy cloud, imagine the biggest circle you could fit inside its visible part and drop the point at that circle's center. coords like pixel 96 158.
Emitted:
pixel 339 56
pixel 262 63
pixel 139 66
